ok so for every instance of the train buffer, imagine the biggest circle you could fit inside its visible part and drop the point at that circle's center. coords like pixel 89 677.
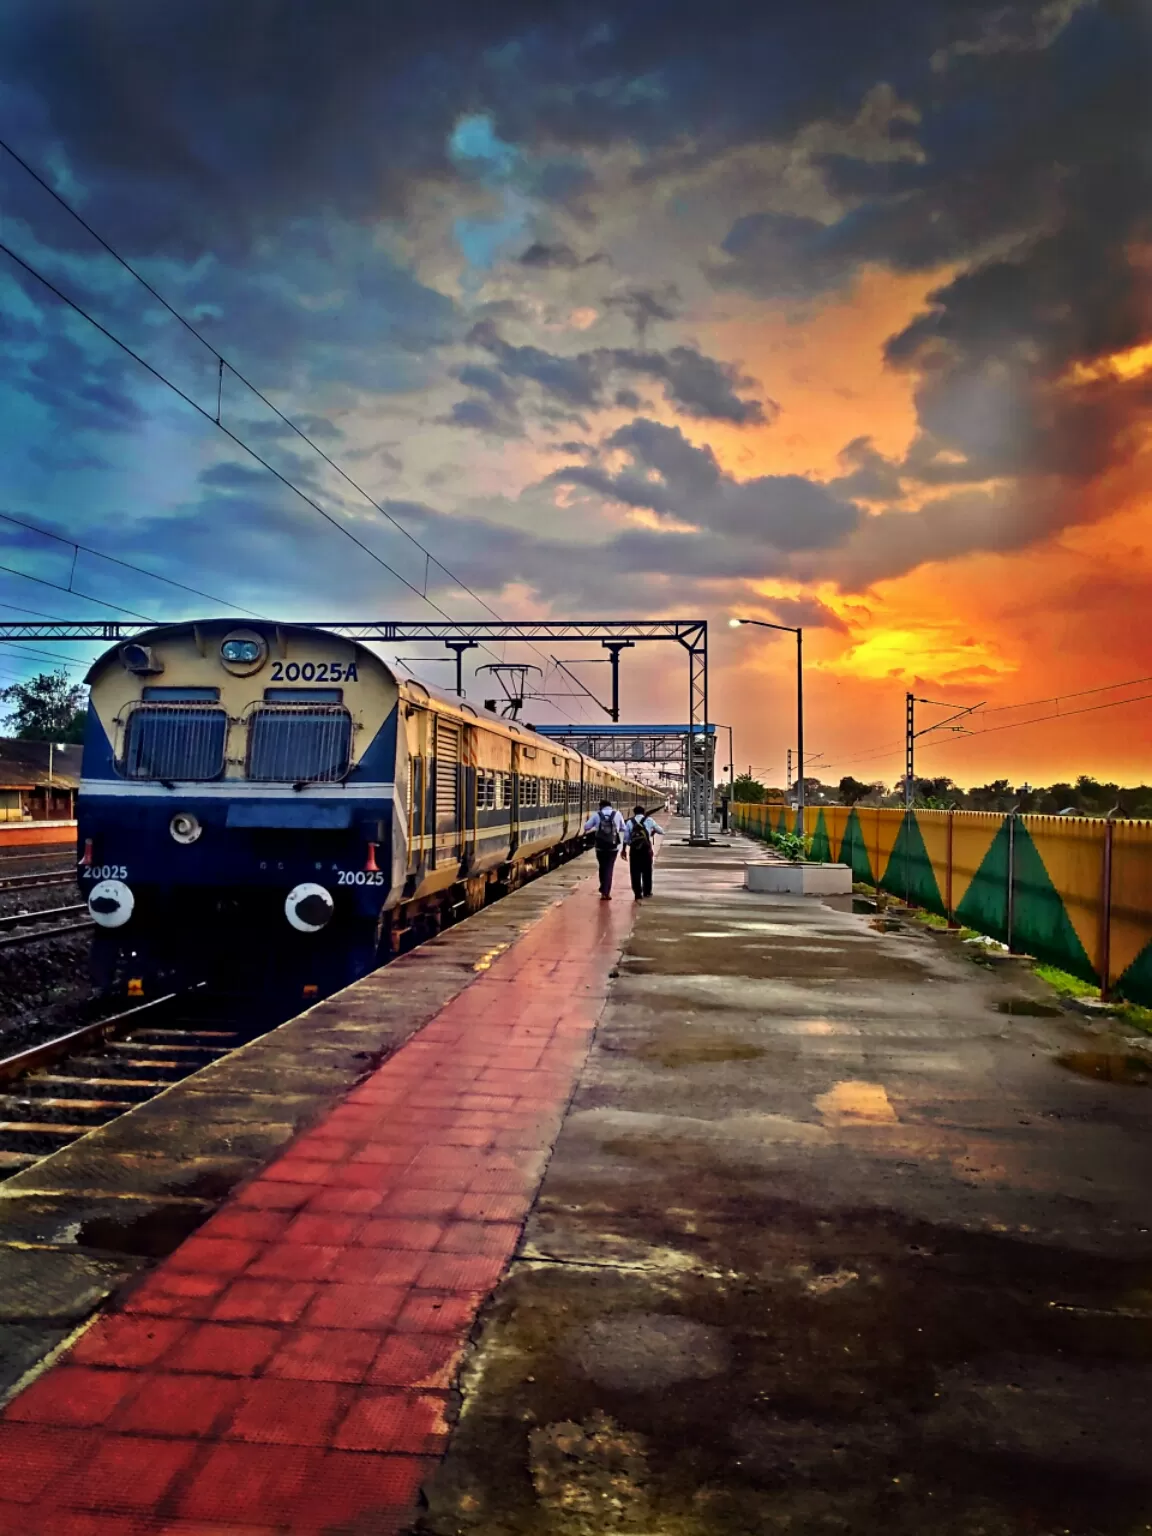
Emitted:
pixel 718 1213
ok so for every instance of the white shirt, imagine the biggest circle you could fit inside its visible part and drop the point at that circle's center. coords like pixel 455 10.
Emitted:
pixel 593 822
pixel 652 828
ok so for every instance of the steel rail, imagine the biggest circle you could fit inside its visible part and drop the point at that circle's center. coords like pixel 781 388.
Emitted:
pixel 12 1067
pixel 14 919
pixel 14 940
pixel 36 882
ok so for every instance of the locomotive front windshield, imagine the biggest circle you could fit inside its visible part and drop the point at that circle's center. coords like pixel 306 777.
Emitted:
pixel 175 741
pixel 310 745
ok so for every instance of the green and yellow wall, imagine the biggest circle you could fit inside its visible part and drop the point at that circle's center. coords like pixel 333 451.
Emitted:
pixel 1073 891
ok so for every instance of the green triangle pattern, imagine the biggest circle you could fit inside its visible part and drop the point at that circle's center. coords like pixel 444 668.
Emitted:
pixel 1136 982
pixel 910 874
pixel 782 820
pixel 854 850
pixel 1040 925
pixel 985 903
pixel 821 847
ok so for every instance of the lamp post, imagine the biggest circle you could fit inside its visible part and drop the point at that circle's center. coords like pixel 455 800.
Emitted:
pixel 731 770
pixel 799 633
pixel 731 758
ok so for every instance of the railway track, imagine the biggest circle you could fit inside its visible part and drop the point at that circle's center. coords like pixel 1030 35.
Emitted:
pixel 53 1093
pixel 18 855
pixel 37 934
pixel 35 882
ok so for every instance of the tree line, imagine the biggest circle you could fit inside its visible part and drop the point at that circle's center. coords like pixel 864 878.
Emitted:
pixel 1086 797
pixel 50 707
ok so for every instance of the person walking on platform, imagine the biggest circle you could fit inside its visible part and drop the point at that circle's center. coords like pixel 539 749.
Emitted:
pixel 607 828
pixel 639 830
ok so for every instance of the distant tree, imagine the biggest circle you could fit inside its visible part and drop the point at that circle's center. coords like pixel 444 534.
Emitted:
pixel 934 794
pixel 49 708
pixel 997 796
pixel 748 789
pixel 1136 802
pixel 852 790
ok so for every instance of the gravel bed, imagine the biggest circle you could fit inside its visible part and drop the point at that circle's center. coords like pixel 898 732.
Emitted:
pixel 34 860
pixel 40 898
pixel 45 991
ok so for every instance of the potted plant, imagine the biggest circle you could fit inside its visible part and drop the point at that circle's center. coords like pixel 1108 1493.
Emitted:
pixel 795 874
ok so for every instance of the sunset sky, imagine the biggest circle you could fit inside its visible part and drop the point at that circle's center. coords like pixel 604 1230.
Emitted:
pixel 833 314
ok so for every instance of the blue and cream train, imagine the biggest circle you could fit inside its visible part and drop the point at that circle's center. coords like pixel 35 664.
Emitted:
pixel 275 795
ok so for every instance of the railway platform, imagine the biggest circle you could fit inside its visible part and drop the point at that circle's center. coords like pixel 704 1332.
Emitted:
pixel 718 1213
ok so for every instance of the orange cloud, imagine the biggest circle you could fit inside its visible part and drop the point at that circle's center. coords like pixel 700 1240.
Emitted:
pixel 826 370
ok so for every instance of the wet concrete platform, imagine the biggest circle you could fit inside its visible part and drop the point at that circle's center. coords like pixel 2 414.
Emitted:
pixel 826 1241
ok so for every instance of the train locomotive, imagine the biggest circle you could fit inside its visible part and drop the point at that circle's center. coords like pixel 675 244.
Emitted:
pixel 273 802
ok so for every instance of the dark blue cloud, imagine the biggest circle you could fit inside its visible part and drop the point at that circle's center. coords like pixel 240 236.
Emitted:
pixel 781 513
pixel 695 385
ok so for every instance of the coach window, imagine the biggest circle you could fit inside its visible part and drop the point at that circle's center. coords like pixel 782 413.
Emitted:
pixel 485 790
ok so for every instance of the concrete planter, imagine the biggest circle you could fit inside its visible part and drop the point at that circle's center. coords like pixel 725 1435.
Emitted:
pixel 799 879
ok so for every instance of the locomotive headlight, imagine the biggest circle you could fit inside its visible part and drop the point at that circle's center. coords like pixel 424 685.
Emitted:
pixel 184 827
pixel 110 903
pixel 240 650
pixel 308 907
pixel 243 652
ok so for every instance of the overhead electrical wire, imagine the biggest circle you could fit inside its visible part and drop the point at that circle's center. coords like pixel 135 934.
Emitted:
pixel 208 416
pixel 235 372
pixel 240 443
pixel 223 363
pixel 128 565
pixel 1015 725
pixel 59 587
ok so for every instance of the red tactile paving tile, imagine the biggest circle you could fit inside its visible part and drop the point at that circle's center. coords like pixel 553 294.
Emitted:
pixel 126 1472
pixel 325 1354
pixel 277 1412
pixel 425 1360
pixel 224 1349
pixel 356 1306
pixel 493 1239
pixel 288 1367
pixel 189 1407
pixel 411 1422
pixel 127 1341
pixel 263 1301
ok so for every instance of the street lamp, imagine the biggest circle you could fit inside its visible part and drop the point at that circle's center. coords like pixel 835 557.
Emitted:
pixel 731 768
pixel 799 633
pixel 731 757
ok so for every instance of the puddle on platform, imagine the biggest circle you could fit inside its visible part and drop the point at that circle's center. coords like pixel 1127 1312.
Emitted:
pixel 886 924
pixel 700 1050
pixel 851 1102
pixel 863 904
pixel 1109 1066
pixel 1031 1007
pixel 153 1235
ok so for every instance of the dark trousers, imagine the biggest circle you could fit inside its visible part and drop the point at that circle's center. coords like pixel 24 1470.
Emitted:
pixel 640 868
pixel 606 858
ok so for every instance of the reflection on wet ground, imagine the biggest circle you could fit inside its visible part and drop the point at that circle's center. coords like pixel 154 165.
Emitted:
pixel 853 1101
pixel 1109 1066
pixel 829 1246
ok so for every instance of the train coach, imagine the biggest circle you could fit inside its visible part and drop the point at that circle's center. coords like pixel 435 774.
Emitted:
pixel 273 802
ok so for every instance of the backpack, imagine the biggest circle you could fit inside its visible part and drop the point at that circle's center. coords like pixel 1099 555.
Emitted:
pixel 638 839
pixel 606 833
